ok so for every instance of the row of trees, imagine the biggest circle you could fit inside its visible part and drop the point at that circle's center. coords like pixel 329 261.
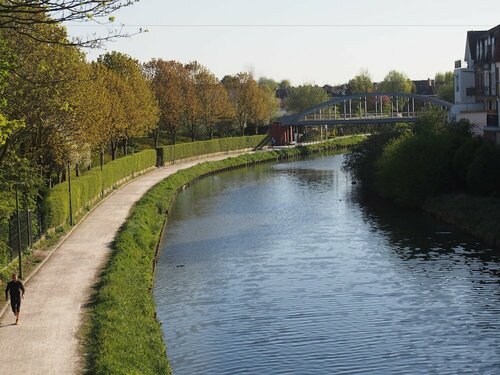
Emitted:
pixel 58 110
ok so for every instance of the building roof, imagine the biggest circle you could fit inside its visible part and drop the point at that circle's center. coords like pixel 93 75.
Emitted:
pixel 425 87
pixel 471 43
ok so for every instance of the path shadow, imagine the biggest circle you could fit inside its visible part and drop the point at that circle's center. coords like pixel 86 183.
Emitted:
pixel 7 325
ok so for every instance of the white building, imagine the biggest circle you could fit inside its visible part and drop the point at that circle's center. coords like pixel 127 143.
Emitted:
pixel 477 86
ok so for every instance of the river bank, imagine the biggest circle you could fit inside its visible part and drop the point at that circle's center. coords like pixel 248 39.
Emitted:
pixel 123 335
pixel 477 216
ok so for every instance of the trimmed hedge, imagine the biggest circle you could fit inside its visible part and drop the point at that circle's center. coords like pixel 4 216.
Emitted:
pixel 124 336
pixel 92 184
pixel 187 150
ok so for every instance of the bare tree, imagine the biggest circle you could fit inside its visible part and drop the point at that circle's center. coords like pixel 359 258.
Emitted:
pixel 21 15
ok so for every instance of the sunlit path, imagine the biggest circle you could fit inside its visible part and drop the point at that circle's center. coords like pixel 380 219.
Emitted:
pixel 46 342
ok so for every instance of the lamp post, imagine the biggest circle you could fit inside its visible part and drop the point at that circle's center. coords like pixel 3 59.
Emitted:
pixel 69 194
pixel 19 245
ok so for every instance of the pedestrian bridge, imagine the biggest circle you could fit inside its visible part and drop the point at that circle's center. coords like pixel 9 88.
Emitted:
pixel 367 108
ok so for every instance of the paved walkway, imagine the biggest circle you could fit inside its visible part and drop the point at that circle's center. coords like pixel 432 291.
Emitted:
pixel 46 341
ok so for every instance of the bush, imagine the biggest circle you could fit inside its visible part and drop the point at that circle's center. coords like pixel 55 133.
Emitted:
pixel 187 150
pixel 360 162
pixel 90 185
pixel 483 174
pixel 463 157
pixel 413 168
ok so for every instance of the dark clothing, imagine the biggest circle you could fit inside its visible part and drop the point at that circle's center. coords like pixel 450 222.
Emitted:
pixel 15 304
pixel 14 288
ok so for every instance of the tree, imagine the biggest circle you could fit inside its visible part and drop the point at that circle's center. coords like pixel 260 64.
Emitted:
pixel 243 92
pixel 139 102
pixel 396 82
pixel 266 104
pixel 24 16
pixel 284 84
pixel 41 91
pixel 167 79
pixel 445 86
pixel 268 83
pixel 304 97
pixel 361 83
pixel 213 100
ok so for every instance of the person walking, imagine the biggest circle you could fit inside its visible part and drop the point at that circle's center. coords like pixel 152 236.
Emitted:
pixel 14 289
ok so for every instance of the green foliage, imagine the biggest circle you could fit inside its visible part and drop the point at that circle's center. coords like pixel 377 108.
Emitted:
pixel 361 83
pixel 414 167
pixel 396 82
pixel 431 122
pixel 90 185
pixel 463 158
pixel 186 150
pixel 446 92
pixel 304 97
pixel 483 174
pixel 360 162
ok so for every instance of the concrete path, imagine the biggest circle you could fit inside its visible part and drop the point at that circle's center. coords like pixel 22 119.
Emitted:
pixel 46 341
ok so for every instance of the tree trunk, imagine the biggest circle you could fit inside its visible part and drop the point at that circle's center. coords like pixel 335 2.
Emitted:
pixel 256 129
pixel 125 147
pixel 193 132
pixel 156 137
pixel 113 149
pixel 174 138
pixel 101 158
pixel 77 170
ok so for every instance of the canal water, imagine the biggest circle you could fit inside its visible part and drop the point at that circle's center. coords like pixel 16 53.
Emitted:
pixel 284 269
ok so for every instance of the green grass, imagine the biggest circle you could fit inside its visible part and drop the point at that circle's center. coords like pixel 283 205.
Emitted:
pixel 123 335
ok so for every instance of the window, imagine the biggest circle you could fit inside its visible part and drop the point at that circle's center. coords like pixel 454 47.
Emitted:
pixel 457 80
pixel 470 91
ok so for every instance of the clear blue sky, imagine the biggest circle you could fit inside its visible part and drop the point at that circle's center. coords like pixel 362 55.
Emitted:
pixel 315 54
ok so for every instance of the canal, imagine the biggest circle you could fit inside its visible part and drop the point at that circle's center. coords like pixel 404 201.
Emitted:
pixel 285 269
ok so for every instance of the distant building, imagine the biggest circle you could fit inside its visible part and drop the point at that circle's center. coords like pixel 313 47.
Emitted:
pixel 477 86
pixel 336 91
pixel 425 87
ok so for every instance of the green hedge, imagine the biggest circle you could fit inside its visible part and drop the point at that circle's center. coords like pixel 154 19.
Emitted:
pixel 123 336
pixel 187 150
pixel 90 185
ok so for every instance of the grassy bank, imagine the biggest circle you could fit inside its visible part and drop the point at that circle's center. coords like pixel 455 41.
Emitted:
pixel 478 216
pixel 123 335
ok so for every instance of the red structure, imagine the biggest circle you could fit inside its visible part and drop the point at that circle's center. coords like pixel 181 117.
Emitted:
pixel 283 135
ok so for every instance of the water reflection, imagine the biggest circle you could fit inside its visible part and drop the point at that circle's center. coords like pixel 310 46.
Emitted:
pixel 289 270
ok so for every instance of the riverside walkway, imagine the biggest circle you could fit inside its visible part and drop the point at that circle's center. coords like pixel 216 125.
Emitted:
pixel 46 341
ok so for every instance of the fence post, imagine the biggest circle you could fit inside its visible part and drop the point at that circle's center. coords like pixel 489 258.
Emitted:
pixel 19 245
pixel 29 227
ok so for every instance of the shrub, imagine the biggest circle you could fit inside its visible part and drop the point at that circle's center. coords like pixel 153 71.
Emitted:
pixel 463 157
pixel 413 168
pixel 186 150
pixel 483 174
pixel 90 185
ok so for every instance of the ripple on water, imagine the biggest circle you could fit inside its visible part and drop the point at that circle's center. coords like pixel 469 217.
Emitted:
pixel 287 272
